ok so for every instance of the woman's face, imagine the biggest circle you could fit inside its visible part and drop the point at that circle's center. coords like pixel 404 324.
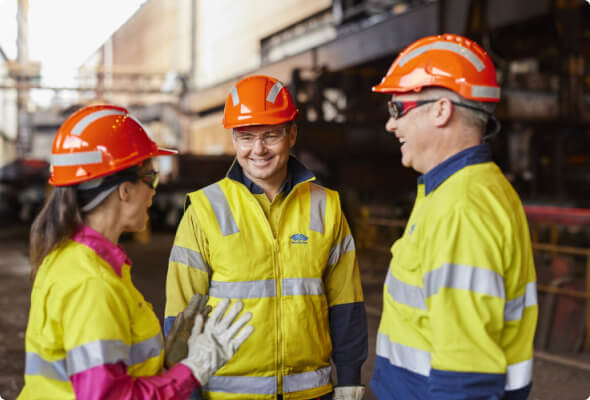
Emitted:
pixel 135 212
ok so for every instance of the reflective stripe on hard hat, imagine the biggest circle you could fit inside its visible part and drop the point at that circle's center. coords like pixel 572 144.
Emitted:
pixel 90 118
pixel 485 92
pixel 318 208
pixel 274 92
pixel 462 51
pixel 235 98
pixel 70 159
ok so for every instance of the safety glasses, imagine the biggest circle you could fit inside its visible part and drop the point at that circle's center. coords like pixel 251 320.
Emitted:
pixel 151 178
pixel 397 109
pixel 272 137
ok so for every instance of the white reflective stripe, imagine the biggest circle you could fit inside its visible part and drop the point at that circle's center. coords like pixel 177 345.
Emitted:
pixel 96 353
pixel 485 91
pixel 306 380
pixel 405 293
pixel 69 159
pixel 466 277
pixel 189 257
pixel 519 375
pixel 302 286
pixel 90 118
pixel 220 206
pixel 243 290
pixel 36 365
pixel 513 309
pixel 242 384
pixel 234 96
pixel 274 92
pixel 146 349
pixel 406 357
pixel 340 249
pixel 454 47
pixel 317 208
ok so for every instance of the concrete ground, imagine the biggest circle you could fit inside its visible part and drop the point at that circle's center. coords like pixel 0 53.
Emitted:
pixel 551 380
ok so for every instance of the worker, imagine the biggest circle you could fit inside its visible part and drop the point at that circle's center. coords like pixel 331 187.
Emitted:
pixel 270 236
pixel 91 334
pixel 459 300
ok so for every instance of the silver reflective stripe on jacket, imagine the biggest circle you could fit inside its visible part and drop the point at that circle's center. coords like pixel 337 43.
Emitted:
pixel 317 208
pixel 268 384
pixel 36 365
pixel 402 356
pixel 242 384
pixel 405 293
pixel 188 257
pixel 519 375
pixel 513 309
pixel 340 249
pixel 302 286
pixel 220 207
pixel 466 277
pixel 244 289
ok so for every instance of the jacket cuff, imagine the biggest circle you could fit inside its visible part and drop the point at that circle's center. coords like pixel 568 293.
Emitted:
pixel 348 374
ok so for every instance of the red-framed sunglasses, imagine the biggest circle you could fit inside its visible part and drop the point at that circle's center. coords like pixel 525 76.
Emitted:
pixel 151 178
pixel 398 109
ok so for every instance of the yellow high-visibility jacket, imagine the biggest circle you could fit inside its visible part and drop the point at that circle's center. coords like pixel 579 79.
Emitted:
pixel 301 284
pixel 459 301
pixel 91 334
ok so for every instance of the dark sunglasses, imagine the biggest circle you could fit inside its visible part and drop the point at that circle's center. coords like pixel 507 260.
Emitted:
pixel 151 178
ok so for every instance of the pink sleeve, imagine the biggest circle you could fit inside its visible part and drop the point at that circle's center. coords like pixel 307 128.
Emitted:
pixel 111 381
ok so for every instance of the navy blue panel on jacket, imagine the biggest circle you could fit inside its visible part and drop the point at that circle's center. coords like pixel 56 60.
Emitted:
pixel 348 329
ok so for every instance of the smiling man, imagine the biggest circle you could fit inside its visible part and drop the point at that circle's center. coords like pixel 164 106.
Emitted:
pixel 268 235
pixel 459 302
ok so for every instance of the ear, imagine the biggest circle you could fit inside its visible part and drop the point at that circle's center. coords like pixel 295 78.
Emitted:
pixel 442 111
pixel 124 191
pixel 292 135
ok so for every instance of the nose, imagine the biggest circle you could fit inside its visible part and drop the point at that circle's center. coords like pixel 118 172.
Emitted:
pixel 391 125
pixel 258 146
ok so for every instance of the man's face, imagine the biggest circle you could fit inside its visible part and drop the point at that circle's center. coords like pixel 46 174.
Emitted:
pixel 263 150
pixel 413 131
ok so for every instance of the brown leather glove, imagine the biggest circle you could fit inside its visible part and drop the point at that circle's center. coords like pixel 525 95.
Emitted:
pixel 175 346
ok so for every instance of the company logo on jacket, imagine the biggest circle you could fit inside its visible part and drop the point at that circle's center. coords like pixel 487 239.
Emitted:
pixel 298 238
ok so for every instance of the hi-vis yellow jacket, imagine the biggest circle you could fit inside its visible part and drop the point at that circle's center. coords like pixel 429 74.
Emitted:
pixel 91 335
pixel 301 285
pixel 459 302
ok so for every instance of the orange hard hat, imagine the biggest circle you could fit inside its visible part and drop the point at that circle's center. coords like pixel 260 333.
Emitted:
pixel 99 140
pixel 449 61
pixel 258 100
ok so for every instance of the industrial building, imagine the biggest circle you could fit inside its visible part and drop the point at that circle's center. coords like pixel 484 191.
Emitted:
pixel 174 62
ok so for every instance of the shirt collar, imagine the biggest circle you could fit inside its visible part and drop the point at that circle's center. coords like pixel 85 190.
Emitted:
pixel 107 250
pixel 473 155
pixel 296 173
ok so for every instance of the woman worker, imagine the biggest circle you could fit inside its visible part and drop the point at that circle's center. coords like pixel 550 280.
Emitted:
pixel 91 334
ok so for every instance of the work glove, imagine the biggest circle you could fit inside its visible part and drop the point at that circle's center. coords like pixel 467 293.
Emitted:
pixel 176 346
pixel 348 392
pixel 210 348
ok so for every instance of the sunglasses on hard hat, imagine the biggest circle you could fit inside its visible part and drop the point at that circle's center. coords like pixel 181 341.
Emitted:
pixel 151 178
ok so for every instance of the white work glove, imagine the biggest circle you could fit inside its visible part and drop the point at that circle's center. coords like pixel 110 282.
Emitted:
pixel 348 392
pixel 210 349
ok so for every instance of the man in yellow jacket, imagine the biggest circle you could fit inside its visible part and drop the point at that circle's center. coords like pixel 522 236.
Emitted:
pixel 459 302
pixel 269 236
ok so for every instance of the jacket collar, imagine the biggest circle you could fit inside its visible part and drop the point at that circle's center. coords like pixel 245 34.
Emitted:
pixel 436 176
pixel 107 250
pixel 296 174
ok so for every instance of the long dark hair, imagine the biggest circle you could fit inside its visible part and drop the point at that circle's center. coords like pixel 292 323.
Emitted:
pixel 54 225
